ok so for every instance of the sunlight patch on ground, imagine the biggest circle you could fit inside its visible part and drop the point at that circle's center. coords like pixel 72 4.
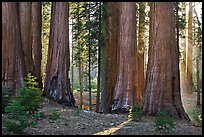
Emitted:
pixel 112 130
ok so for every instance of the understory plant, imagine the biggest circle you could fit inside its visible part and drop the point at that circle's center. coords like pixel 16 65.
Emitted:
pixel 195 115
pixel 6 97
pixel 164 121
pixel 27 101
pixel 135 113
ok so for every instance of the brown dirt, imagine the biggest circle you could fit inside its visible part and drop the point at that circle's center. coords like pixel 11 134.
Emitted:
pixel 73 121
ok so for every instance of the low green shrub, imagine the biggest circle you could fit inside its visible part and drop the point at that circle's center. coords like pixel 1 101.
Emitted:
pixel 164 121
pixel 38 115
pixel 94 83
pixel 27 101
pixel 29 96
pixel 16 109
pixel 6 97
pixel 35 117
pixel 54 115
pixel 135 113
pixel 16 126
pixel 195 115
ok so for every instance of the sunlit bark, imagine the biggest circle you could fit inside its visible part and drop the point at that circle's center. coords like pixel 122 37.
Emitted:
pixel 189 56
pixel 125 88
pixel 57 83
pixel 162 87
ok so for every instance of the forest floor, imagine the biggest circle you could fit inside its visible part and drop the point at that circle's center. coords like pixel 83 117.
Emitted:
pixel 73 121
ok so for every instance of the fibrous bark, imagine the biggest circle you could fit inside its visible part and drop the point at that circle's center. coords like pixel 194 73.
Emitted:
pixel 189 55
pixel 57 83
pixel 13 67
pixel 162 87
pixel 125 88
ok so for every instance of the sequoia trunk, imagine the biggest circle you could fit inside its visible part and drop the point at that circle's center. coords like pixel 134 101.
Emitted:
pixel 162 87
pixel 124 90
pixel 189 55
pixel 111 52
pixel 57 72
pixel 13 68
pixel 36 39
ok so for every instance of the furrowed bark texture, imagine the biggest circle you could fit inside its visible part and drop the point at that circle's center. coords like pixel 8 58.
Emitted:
pixel 125 88
pixel 162 87
pixel 57 80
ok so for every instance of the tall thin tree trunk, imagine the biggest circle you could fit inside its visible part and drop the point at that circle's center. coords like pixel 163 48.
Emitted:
pixel 99 63
pixel 198 76
pixel 102 60
pixel 72 65
pixel 80 84
pixel 89 59
pixel 140 49
pixel 198 56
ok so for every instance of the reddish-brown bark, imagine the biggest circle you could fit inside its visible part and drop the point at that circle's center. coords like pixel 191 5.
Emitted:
pixel 57 81
pixel 162 87
pixel 112 50
pixel 190 48
pixel 12 61
pixel 125 88
pixel 25 33
pixel 36 22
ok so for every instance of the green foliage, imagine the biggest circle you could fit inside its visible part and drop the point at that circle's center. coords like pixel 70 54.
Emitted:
pixel 37 115
pixel 46 16
pixel 29 96
pixel 164 121
pixel 135 113
pixel 76 85
pixel 6 97
pixel 94 83
pixel 195 115
pixel 28 100
pixel 16 126
pixel 54 115
pixel 16 109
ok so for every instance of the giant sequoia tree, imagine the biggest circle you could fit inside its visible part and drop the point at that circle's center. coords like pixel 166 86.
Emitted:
pixel 12 61
pixel 190 48
pixel 57 83
pixel 125 88
pixel 111 55
pixel 21 42
pixel 162 87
